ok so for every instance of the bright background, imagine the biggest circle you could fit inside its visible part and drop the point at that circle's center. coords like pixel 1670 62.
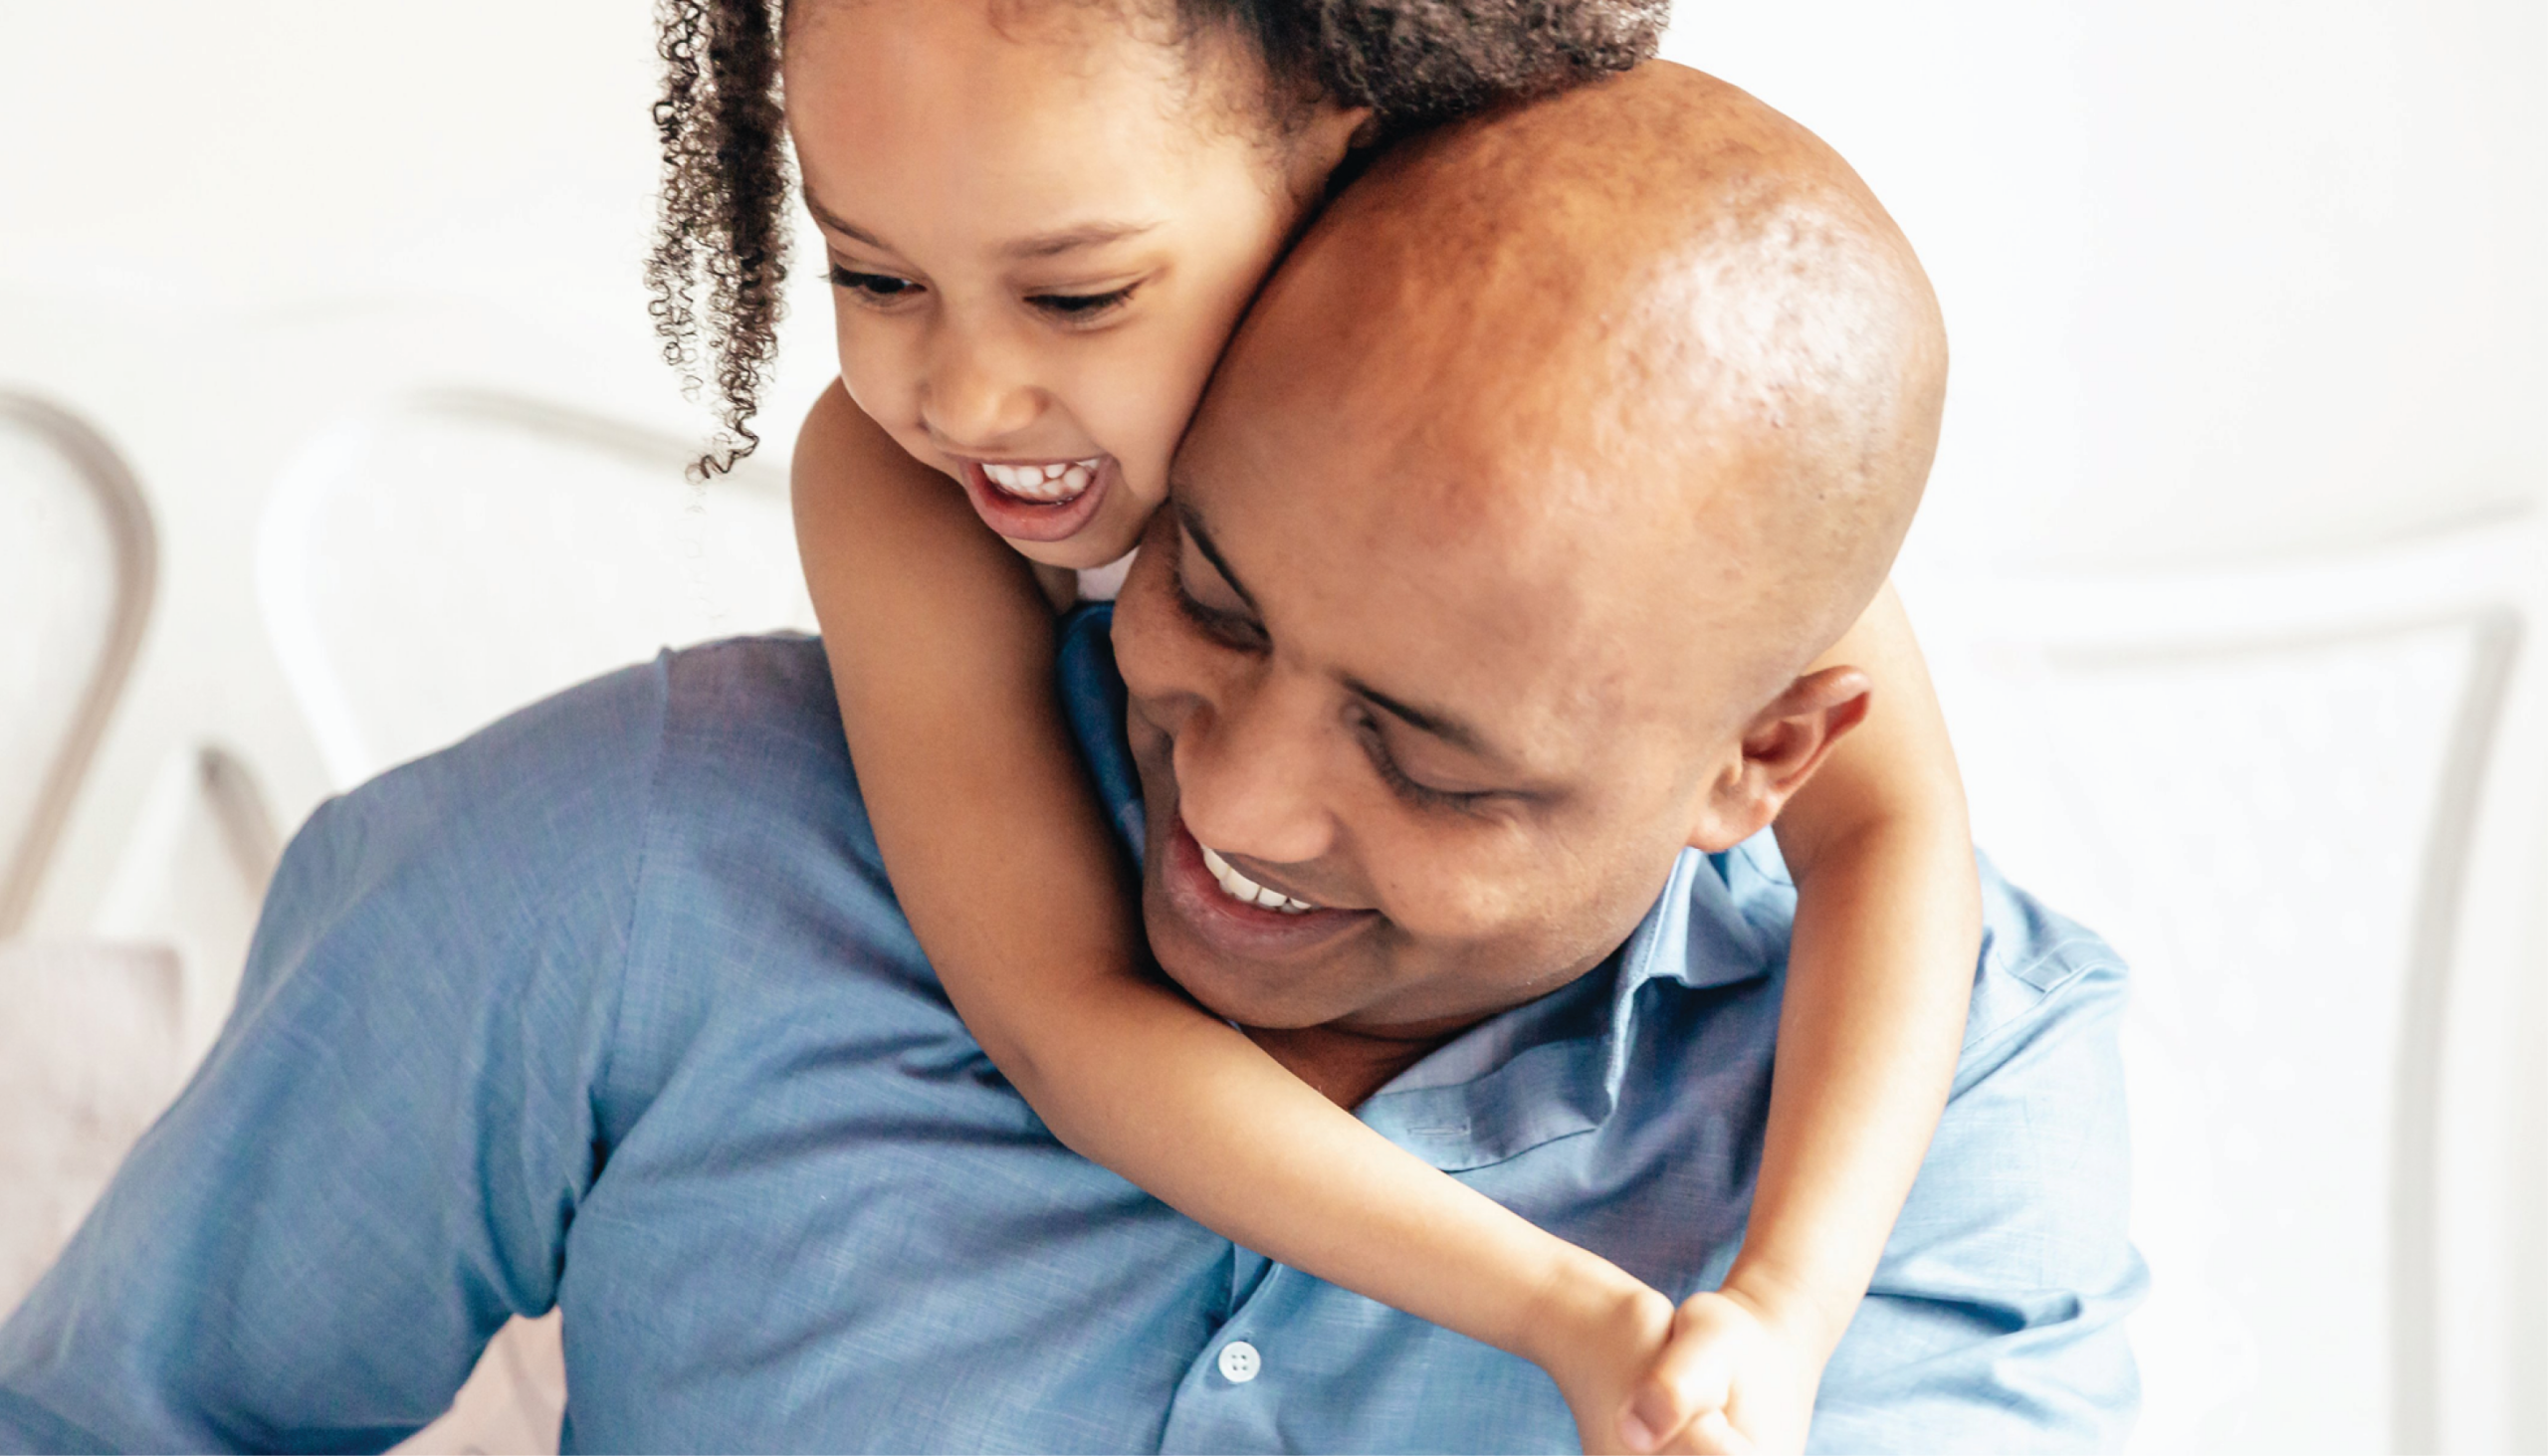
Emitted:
pixel 2224 277
pixel 2230 281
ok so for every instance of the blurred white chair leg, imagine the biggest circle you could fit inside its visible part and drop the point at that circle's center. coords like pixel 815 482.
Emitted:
pixel 79 561
pixel 193 878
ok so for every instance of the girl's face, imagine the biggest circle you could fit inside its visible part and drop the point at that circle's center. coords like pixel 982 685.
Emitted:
pixel 1042 224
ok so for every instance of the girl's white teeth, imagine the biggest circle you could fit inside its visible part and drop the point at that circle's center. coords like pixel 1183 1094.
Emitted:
pixel 1049 484
pixel 1240 887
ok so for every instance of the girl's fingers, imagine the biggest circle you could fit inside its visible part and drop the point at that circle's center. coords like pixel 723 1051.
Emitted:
pixel 1693 1377
pixel 1713 1435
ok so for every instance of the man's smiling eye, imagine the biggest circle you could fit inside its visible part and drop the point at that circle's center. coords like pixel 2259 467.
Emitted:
pixel 1229 629
pixel 877 288
pixel 1423 795
pixel 1079 306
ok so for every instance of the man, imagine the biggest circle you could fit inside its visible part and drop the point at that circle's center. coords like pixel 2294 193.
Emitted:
pixel 610 1008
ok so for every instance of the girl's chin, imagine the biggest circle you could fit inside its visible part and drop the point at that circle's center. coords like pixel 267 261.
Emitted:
pixel 1101 543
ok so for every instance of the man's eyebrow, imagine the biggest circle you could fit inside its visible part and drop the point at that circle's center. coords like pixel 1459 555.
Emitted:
pixel 1444 725
pixel 1193 521
pixel 1448 727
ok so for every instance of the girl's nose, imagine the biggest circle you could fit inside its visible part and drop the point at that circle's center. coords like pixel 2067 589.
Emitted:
pixel 974 399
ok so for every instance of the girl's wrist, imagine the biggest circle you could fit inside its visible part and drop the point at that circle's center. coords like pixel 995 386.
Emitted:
pixel 1582 1307
pixel 1791 1304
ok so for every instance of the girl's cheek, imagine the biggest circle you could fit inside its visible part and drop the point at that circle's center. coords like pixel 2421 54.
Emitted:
pixel 1145 486
pixel 880 384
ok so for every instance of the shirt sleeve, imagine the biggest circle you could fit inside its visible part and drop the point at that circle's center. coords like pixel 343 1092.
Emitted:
pixel 377 1163
pixel 1995 1319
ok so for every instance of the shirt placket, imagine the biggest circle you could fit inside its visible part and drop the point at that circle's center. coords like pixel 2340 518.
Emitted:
pixel 1229 1397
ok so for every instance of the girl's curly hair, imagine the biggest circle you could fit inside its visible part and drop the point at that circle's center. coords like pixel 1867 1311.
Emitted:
pixel 726 178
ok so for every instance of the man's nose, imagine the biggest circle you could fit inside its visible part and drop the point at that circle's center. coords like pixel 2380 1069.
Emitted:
pixel 976 393
pixel 1247 773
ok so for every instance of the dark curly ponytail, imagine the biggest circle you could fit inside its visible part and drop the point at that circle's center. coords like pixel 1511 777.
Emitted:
pixel 725 205
pixel 727 177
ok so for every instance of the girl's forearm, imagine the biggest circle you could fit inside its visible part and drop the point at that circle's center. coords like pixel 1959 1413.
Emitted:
pixel 1878 979
pixel 941 649
pixel 1879 976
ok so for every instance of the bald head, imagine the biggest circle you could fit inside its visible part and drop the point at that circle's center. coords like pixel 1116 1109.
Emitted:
pixel 1501 545
pixel 1654 306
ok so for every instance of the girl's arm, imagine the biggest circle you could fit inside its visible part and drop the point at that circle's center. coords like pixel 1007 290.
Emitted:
pixel 940 648
pixel 1888 922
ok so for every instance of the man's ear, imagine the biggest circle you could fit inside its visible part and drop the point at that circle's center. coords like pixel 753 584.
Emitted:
pixel 1780 750
pixel 1319 146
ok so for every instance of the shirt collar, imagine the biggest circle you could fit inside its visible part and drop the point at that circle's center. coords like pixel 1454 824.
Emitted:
pixel 1555 1067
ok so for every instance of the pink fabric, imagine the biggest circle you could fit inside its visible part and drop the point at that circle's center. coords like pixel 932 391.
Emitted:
pixel 89 1053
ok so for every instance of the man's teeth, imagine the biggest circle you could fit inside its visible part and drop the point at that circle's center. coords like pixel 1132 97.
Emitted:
pixel 1238 887
pixel 1058 481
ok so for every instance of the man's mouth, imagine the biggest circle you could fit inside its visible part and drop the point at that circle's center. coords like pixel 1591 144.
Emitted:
pixel 1038 500
pixel 1235 914
pixel 1246 891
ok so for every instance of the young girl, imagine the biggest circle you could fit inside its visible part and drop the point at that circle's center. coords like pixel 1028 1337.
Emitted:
pixel 1043 218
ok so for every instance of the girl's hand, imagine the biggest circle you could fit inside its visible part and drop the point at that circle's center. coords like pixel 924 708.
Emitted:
pixel 1735 1376
pixel 1598 1337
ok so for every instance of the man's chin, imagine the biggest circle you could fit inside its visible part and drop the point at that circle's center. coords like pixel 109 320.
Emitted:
pixel 1243 963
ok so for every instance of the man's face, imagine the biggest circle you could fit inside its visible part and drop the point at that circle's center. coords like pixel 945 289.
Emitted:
pixel 1449 726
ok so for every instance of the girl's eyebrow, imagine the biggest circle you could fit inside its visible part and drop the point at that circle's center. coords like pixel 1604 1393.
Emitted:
pixel 826 217
pixel 1040 245
pixel 1087 235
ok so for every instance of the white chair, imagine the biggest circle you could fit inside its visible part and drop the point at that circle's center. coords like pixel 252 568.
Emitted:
pixel 2306 804
pixel 77 562
pixel 192 877
pixel 434 565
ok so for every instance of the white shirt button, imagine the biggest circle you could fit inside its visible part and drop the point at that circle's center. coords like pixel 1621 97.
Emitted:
pixel 1240 1363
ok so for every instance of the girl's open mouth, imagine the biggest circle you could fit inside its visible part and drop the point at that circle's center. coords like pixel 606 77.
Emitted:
pixel 1039 500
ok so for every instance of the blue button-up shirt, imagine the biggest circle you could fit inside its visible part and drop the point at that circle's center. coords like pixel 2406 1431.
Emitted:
pixel 610 1008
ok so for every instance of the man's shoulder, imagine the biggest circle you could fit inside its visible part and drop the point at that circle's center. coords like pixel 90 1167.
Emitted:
pixel 742 711
pixel 770 695
pixel 553 810
pixel 2035 961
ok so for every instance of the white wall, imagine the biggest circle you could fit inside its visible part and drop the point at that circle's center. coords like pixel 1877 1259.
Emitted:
pixel 223 227
pixel 2223 276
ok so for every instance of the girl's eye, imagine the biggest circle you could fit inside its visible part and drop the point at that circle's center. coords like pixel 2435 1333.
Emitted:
pixel 1080 306
pixel 877 288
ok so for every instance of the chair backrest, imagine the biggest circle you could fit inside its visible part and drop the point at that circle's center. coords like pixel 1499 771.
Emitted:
pixel 2306 803
pixel 429 566
pixel 77 563
pixel 192 878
